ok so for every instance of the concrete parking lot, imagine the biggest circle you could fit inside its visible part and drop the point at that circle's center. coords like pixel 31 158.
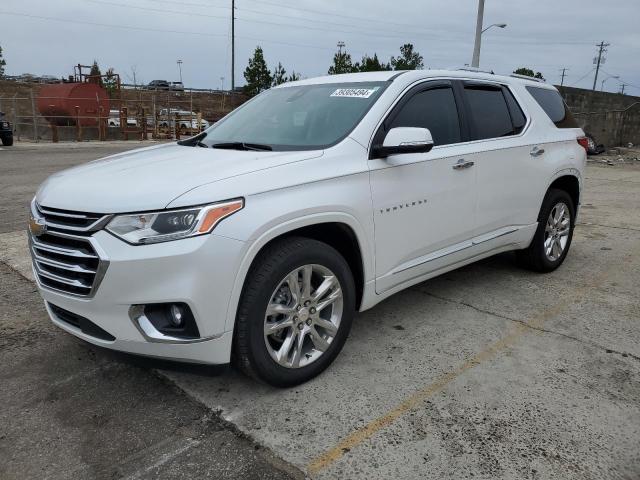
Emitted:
pixel 486 372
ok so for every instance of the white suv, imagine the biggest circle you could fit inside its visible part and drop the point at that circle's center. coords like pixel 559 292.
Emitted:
pixel 257 240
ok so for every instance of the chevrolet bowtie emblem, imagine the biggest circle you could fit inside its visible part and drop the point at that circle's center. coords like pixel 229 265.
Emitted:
pixel 37 226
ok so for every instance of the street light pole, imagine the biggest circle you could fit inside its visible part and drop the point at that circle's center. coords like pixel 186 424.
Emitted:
pixel 607 78
pixel 179 62
pixel 475 62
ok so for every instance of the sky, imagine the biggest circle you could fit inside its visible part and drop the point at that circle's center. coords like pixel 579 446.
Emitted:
pixel 48 37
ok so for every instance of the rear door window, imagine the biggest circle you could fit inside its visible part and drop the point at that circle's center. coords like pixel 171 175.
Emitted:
pixel 489 112
pixel 434 109
pixel 553 105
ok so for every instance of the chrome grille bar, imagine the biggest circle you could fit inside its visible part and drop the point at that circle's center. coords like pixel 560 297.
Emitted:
pixel 65 257
pixel 73 221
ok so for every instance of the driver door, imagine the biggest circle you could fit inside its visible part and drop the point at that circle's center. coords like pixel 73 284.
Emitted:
pixel 423 203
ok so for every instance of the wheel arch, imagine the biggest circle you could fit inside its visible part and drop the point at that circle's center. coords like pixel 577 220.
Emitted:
pixel 570 183
pixel 339 230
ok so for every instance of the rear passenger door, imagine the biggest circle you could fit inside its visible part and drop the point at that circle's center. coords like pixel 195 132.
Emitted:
pixel 508 169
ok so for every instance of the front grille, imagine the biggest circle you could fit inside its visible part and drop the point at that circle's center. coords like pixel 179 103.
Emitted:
pixel 64 257
pixel 73 221
pixel 85 325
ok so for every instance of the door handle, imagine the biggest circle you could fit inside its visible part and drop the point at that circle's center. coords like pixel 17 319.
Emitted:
pixel 462 164
pixel 536 152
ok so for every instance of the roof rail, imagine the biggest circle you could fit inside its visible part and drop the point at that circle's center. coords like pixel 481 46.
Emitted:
pixel 473 69
pixel 527 77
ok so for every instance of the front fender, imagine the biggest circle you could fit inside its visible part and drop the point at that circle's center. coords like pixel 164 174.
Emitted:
pixel 271 232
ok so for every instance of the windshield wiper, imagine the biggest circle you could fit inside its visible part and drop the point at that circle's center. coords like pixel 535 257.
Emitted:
pixel 242 146
pixel 195 141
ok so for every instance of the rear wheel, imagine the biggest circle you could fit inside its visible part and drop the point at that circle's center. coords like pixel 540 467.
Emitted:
pixel 7 141
pixel 295 312
pixel 552 239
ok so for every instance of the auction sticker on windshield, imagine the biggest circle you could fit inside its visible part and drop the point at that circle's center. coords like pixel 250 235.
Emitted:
pixel 354 92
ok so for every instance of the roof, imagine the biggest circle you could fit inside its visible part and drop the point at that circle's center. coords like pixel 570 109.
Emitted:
pixel 412 75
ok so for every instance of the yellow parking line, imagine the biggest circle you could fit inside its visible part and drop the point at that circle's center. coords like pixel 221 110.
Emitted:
pixel 360 435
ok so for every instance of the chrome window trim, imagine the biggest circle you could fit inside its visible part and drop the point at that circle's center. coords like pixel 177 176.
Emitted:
pixel 462 79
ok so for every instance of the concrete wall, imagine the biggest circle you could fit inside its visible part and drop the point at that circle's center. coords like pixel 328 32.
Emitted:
pixel 613 119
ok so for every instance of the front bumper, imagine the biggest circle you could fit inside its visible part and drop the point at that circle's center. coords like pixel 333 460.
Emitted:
pixel 198 271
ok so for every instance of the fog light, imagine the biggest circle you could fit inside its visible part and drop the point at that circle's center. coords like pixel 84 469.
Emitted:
pixel 176 315
pixel 165 321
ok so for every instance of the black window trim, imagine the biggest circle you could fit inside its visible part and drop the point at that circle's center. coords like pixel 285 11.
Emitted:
pixel 493 86
pixel 428 84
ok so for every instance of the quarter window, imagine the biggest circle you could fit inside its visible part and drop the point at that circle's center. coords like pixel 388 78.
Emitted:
pixel 553 105
pixel 434 109
pixel 489 112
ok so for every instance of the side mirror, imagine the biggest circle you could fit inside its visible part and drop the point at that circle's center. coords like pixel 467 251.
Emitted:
pixel 401 140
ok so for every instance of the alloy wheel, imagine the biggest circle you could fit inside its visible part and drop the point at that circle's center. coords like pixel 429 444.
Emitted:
pixel 303 316
pixel 556 234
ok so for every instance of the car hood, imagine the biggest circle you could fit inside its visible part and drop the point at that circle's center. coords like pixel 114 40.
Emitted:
pixel 150 178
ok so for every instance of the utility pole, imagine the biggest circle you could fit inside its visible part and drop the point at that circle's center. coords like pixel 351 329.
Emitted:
pixel 475 62
pixel 622 89
pixel 602 48
pixel 179 62
pixel 340 47
pixel 233 44
pixel 564 70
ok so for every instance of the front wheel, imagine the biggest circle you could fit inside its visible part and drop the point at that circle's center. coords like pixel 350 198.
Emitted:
pixel 7 141
pixel 295 312
pixel 552 239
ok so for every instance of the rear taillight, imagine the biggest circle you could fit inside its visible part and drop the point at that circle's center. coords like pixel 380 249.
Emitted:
pixel 584 143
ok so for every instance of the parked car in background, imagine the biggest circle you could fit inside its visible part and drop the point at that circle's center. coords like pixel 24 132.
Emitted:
pixel 188 120
pixel 114 119
pixel 158 85
pixel 6 131
pixel 259 239
pixel 177 86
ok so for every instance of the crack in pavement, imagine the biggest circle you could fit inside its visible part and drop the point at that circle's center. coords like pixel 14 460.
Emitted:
pixel 591 224
pixel 532 327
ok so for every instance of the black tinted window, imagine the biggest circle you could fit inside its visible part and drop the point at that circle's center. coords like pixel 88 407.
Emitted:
pixel 553 105
pixel 489 112
pixel 517 117
pixel 434 109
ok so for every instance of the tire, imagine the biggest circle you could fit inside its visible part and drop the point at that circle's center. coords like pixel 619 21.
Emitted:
pixel 268 283
pixel 537 256
pixel 7 141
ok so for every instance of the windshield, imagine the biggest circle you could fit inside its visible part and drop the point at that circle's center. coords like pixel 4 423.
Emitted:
pixel 297 118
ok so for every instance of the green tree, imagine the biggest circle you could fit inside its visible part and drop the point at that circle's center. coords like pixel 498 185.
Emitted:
pixel 111 82
pixel 257 74
pixel 342 64
pixel 2 64
pixel 279 75
pixel 95 74
pixel 528 72
pixel 408 59
pixel 372 64
pixel 293 77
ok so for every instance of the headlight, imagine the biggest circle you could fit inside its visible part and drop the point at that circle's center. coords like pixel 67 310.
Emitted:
pixel 154 227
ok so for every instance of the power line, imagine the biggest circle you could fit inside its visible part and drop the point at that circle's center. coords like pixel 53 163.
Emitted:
pixel 267 22
pixel 583 77
pixel 110 25
pixel 127 27
pixel 333 14
pixel 151 9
